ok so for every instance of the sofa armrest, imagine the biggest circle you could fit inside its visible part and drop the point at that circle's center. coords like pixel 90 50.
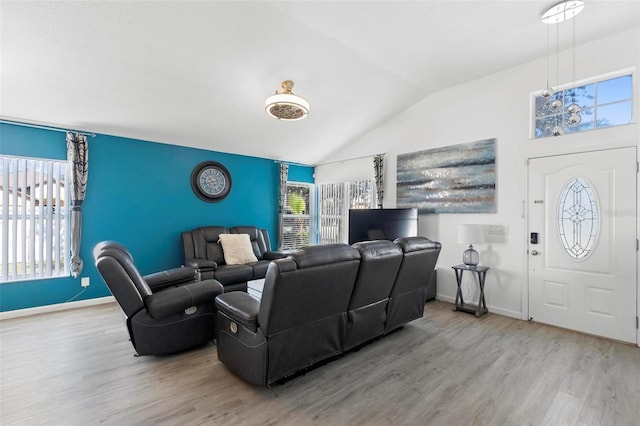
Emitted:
pixel 201 264
pixel 280 254
pixel 171 277
pixel 174 300
pixel 240 307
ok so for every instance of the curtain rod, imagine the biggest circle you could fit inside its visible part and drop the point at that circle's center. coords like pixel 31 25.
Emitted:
pixel 349 159
pixel 36 125
pixel 329 162
pixel 292 163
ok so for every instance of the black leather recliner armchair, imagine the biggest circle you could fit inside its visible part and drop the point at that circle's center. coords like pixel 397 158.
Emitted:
pixel 166 312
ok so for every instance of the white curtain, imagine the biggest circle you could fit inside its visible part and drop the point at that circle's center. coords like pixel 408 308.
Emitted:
pixel 78 159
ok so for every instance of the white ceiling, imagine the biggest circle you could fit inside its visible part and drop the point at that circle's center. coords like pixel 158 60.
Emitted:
pixel 196 73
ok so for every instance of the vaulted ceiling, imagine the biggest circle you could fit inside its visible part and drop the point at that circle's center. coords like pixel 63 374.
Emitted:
pixel 196 73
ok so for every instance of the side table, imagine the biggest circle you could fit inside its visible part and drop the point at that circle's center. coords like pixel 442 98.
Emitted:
pixel 481 308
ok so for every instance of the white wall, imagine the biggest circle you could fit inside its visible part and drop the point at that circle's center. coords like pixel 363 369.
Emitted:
pixel 497 106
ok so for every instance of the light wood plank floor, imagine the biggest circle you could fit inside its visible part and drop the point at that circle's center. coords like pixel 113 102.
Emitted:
pixel 448 368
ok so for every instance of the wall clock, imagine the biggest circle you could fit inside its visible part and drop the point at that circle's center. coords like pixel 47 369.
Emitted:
pixel 211 181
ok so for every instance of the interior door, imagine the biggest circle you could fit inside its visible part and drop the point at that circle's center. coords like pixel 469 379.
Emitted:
pixel 582 242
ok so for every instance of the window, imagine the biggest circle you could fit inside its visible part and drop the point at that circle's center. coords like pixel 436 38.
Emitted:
pixel 34 219
pixel 603 103
pixel 296 222
pixel 335 200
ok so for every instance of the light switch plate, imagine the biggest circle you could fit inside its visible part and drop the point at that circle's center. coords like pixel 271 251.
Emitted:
pixel 497 230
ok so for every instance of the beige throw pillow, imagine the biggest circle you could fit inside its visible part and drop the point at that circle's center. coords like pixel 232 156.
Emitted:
pixel 237 249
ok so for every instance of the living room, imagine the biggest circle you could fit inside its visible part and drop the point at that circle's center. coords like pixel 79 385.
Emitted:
pixel 139 193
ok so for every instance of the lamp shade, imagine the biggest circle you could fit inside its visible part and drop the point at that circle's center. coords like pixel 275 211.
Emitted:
pixel 470 234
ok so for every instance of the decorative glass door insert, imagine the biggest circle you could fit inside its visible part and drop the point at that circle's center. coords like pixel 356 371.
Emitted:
pixel 578 218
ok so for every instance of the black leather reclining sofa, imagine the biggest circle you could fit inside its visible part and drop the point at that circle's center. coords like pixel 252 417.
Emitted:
pixel 321 302
pixel 203 252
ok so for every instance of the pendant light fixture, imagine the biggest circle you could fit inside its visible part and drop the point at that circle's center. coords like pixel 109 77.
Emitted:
pixel 557 103
pixel 286 105
pixel 561 12
pixel 573 109
pixel 557 129
pixel 548 91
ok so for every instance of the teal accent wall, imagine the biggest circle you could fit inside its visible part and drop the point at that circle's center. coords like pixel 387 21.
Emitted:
pixel 299 174
pixel 139 194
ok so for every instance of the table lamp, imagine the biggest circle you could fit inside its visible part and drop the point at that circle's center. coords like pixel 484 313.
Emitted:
pixel 470 234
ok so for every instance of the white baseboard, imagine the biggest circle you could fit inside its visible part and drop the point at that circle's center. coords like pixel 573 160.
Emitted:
pixel 493 309
pixel 57 307
pixel 110 299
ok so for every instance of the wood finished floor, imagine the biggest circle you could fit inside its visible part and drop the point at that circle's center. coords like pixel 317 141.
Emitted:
pixel 448 368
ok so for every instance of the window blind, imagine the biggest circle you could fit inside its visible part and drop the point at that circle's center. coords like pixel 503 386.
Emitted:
pixel 297 220
pixel 33 218
pixel 335 200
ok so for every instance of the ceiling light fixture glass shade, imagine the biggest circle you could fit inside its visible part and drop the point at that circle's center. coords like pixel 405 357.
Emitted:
pixel 562 11
pixel 574 114
pixel 285 105
pixel 555 105
pixel 557 131
pixel 574 119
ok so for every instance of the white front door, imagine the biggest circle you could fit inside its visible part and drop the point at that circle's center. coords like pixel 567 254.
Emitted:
pixel 582 242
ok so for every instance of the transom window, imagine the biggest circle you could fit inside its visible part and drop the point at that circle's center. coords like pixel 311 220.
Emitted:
pixel 600 104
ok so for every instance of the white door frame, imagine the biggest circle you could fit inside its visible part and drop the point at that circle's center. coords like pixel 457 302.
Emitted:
pixel 525 215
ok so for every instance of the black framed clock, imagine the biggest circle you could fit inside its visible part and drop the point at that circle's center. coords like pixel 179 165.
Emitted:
pixel 211 181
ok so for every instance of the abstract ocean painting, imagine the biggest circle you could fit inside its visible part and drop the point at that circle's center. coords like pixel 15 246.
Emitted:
pixel 452 179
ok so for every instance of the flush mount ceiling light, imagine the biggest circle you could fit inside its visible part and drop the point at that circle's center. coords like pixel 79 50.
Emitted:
pixel 562 11
pixel 285 105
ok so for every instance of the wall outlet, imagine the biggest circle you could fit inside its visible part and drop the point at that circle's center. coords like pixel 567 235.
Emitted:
pixel 84 282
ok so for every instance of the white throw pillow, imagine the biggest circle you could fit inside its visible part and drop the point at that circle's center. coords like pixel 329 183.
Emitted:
pixel 237 249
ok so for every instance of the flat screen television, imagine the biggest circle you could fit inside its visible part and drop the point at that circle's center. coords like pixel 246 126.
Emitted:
pixel 382 224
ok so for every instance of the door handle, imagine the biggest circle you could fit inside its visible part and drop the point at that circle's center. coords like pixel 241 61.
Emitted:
pixel 534 252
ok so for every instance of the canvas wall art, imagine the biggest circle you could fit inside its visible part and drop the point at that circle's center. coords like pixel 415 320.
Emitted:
pixel 452 179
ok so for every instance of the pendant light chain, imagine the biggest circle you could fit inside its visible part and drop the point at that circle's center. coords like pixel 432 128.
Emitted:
pixel 573 109
pixel 557 55
pixel 548 91
pixel 548 60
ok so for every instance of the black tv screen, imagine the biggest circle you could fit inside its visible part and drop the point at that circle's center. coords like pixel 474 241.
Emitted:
pixel 382 224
